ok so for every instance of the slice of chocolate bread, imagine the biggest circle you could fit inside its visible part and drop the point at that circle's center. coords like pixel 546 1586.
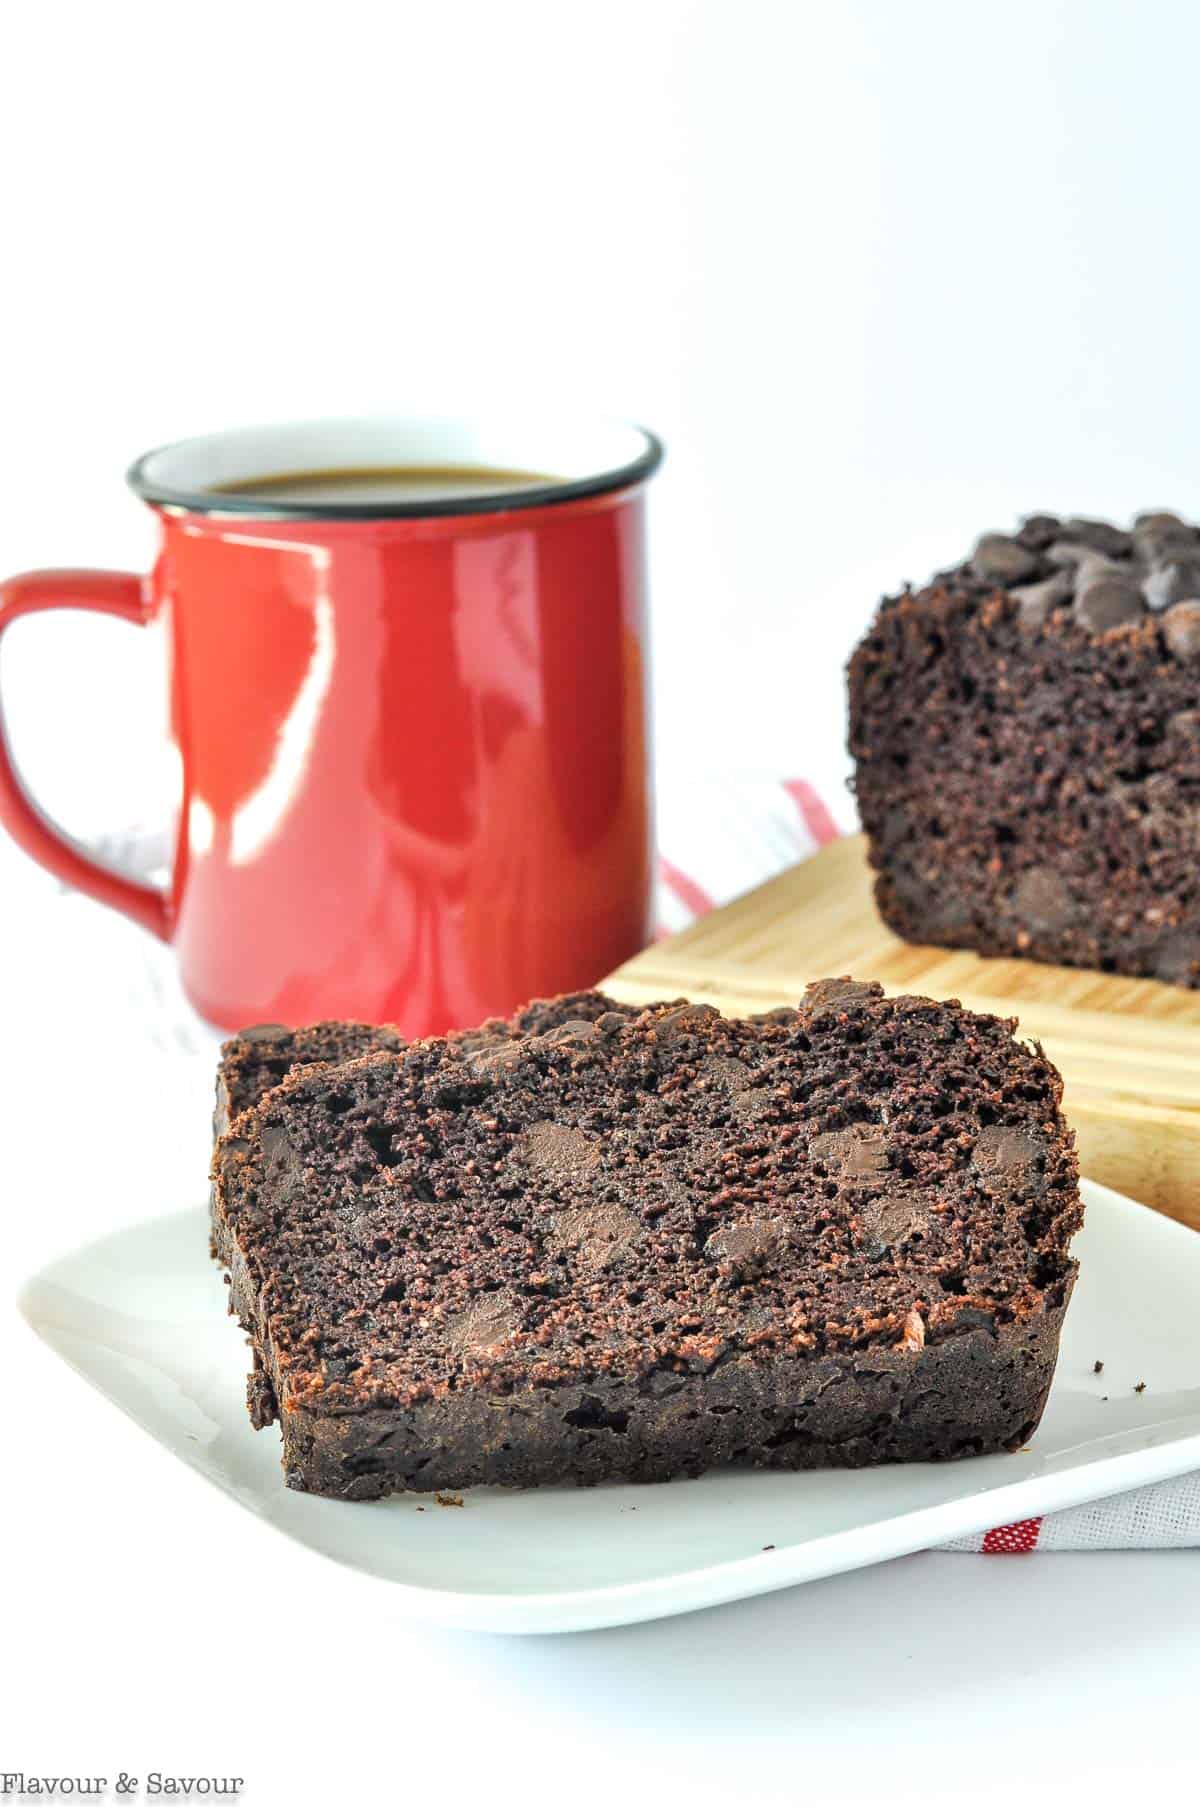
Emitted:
pixel 261 1056
pixel 1026 731
pixel 645 1244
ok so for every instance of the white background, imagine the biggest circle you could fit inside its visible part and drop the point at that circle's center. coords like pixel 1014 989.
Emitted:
pixel 882 275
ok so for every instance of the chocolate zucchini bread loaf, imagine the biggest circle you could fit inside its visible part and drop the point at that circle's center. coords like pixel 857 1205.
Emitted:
pixel 643 1244
pixel 1026 731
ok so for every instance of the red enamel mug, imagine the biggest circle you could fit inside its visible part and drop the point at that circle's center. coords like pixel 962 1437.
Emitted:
pixel 412 734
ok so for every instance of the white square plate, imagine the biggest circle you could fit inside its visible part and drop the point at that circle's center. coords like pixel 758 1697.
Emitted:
pixel 141 1315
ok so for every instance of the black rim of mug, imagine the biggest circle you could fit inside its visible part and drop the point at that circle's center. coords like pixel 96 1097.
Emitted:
pixel 214 502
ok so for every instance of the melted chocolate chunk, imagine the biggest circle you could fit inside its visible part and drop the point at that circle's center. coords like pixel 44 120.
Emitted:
pixel 1041 899
pixel 1001 559
pixel 1002 1151
pixel 554 1149
pixel 1178 580
pixel 853 1151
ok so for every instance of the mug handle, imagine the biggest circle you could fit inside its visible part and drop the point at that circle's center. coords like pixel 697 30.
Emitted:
pixel 117 593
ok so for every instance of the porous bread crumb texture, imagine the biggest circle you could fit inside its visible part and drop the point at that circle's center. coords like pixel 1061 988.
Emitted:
pixel 1028 763
pixel 601 1248
pixel 262 1055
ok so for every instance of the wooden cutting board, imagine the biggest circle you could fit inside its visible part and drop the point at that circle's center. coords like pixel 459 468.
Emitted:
pixel 1128 1049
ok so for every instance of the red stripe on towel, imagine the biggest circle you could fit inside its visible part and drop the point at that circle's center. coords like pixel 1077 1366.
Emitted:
pixel 691 895
pixel 816 818
pixel 1013 1540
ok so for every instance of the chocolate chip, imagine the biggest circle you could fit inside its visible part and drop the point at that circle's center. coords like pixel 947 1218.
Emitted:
pixel 1157 538
pixel 725 1071
pixel 750 1105
pixel 854 1152
pixel 1068 552
pixel 1042 901
pixel 555 1148
pixel 483 1324
pixel 783 1014
pixel 493 1059
pixel 1085 564
pixel 1105 600
pixel 1037 530
pixel 595 1234
pixel 890 1221
pixel 576 1032
pixel 941 908
pixel 735 1077
pixel 1177 581
pixel 837 995
pixel 746 1244
pixel 1000 559
pixel 278 1151
pixel 1002 1152
pixel 1036 600
pixel 264 1032
pixel 684 1019
pixel 1181 629
pixel 1100 536
pixel 1098 564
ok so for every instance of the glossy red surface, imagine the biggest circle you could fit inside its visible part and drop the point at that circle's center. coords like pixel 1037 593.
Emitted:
pixel 414 758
